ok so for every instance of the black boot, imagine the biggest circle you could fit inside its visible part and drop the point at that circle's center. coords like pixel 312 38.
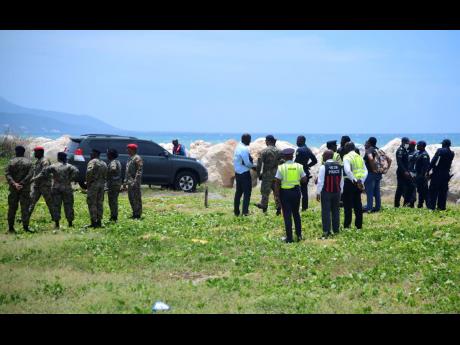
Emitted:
pixel 99 224
pixel 278 211
pixel 93 225
pixel 56 224
pixel 113 219
pixel 11 229
pixel 70 224
pixel 26 228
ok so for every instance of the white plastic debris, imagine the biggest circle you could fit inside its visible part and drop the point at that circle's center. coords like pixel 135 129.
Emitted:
pixel 160 306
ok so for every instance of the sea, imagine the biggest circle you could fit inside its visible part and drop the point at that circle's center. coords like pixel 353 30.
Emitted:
pixel 313 139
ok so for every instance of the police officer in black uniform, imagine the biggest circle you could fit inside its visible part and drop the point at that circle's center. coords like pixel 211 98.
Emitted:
pixel 402 172
pixel 305 157
pixel 439 185
pixel 411 193
pixel 422 163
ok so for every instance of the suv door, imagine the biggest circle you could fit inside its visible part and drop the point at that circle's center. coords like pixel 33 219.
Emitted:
pixel 157 165
pixel 120 145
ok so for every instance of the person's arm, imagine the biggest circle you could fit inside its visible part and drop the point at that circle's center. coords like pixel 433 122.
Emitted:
pixel 75 174
pixel 347 169
pixel 245 157
pixel 312 157
pixel 435 160
pixel 371 161
pixel 9 176
pixel 259 165
pixel 321 174
pixel 28 177
pixel 89 171
pixel 139 168
pixel 365 173
pixel 341 183
pixel 276 189
pixel 425 165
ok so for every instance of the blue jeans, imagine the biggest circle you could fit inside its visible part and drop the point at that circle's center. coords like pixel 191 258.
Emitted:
pixel 372 186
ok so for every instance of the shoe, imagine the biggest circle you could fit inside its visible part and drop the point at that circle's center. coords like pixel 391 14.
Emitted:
pixel 304 209
pixel 324 237
pixel 99 224
pixel 113 219
pixel 92 225
pixel 299 238
pixel 26 229
pixel 70 224
pixel 11 230
pixel 286 240
pixel 259 206
pixel 374 210
pixel 56 224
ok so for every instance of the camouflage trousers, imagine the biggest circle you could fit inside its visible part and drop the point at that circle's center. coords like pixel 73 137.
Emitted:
pixel 112 194
pixel 62 196
pixel 135 199
pixel 268 185
pixel 35 194
pixel 14 199
pixel 95 201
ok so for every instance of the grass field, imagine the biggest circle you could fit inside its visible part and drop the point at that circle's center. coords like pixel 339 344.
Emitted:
pixel 200 260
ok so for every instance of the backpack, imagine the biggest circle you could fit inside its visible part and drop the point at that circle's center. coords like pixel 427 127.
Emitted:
pixel 382 161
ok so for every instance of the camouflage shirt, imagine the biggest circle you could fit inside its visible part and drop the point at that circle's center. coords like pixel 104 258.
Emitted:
pixel 39 167
pixel 96 171
pixel 19 170
pixel 114 172
pixel 268 161
pixel 63 175
pixel 134 168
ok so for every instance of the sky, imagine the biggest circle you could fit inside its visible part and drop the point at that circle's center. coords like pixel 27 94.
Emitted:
pixel 238 81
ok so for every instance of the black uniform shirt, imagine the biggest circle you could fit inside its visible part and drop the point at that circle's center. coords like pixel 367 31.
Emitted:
pixel 303 156
pixel 442 161
pixel 402 160
pixel 422 163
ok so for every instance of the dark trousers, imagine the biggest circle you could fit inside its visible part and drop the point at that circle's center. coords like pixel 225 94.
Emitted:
pixel 352 201
pixel 330 206
pixel 439 186
pixel 411 193
pixel 243 188
pixel 290 202
pixel 401 190
pixel 304 191
pixel 422 190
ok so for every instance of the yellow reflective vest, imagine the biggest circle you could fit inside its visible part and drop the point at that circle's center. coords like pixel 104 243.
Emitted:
pixel 291 174
pixel 356 164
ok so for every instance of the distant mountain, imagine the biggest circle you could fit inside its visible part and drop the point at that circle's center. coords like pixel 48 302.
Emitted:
pixel 27 121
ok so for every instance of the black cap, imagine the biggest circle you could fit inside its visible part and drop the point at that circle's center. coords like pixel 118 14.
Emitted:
pixel 96 151
pixel 331 143
pixel 421 143
pixel 372 141
pixel 405 140
pixel 446 142
pixel 288 152
pixel 270 138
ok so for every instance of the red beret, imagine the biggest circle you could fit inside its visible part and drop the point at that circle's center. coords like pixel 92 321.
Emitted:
pixel 413 142
pixel 132 146
pixel 38 148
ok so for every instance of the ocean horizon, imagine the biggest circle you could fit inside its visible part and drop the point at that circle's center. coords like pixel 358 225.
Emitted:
pixel 313 139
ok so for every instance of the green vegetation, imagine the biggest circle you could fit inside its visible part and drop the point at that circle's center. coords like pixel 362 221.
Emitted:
pixel 200 260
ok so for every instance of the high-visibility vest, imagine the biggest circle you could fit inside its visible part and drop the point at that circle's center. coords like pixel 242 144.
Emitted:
pixel 291 174
pixel 356 164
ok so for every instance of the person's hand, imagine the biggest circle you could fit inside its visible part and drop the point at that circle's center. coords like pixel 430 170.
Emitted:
pixel 18 186
pixel 318 197
pixel 360 185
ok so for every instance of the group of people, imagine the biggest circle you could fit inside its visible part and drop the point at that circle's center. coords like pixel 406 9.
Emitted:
pixel 343 176
pixel 29 181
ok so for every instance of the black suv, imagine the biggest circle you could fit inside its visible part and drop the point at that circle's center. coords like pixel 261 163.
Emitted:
pixel 160 167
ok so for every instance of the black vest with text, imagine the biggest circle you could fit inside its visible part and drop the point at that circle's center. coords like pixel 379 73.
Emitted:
pixel 332 177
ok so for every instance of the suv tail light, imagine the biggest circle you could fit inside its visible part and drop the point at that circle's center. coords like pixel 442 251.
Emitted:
pixel 79 155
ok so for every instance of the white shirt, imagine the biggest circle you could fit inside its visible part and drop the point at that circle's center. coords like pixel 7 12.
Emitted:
pixel 322 175
pixel 349 173
pixel 279 176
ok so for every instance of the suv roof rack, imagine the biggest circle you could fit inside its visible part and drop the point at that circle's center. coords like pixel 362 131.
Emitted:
pixel 107 136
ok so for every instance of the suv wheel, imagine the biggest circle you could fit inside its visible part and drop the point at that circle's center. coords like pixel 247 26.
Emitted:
pixel 186 181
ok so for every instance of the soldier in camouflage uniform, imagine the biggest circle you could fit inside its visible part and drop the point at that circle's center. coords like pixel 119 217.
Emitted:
pixel 61 189
pixel 267 165
pixel 133 178
pixel 19 172
pixel 113 183
pixel 40 184
pixel 96 174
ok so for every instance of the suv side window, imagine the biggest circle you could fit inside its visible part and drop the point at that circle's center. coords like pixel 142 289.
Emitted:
pixel 150 149
pixel 100 145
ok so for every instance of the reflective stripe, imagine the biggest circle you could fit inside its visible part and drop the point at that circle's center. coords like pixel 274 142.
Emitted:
pixel 290 175
pixel 356 164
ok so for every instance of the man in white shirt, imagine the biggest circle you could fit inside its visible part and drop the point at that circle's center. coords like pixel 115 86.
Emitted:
pixel 329 189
